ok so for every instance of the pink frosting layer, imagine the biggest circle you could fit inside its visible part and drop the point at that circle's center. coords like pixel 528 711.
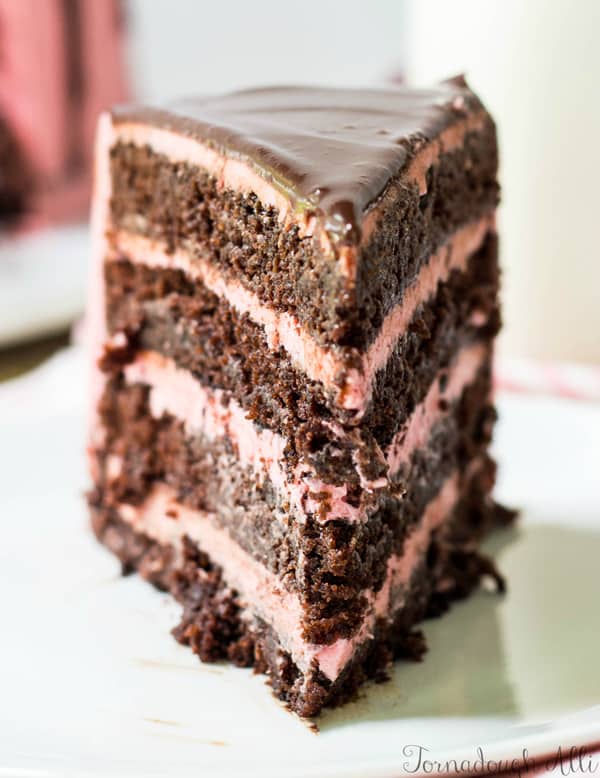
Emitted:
pixel 165 520
pixel 415 433
pixel 453 255
pixel 390 598
pixel 352 387
pixel 175 391
pixel 451 138
pixel 400 568
pixel 281 329
pixel 230 172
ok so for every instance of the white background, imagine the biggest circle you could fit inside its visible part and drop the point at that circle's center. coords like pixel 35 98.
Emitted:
pixel 535 62
pixel 189 47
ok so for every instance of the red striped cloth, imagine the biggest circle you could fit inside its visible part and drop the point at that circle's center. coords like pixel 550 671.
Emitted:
pixel 573 381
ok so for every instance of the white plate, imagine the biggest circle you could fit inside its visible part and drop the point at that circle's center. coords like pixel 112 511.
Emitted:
pixel 91 683
pixel 42 281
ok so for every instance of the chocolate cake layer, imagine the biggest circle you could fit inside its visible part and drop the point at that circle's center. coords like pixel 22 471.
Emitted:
pixel 164 311
pixel 185 207
pixel 339 560
pixel 215 626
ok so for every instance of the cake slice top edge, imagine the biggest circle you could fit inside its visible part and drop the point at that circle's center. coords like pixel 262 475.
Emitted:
pixel 327 153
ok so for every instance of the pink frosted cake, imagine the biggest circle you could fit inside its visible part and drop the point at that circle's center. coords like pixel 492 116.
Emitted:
pixel 295 307
pixel 61 64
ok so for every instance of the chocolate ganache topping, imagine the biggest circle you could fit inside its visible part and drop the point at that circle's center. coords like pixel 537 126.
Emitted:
pixel 330 151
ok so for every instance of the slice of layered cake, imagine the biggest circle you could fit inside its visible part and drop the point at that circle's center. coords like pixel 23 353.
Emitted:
pixel 294 313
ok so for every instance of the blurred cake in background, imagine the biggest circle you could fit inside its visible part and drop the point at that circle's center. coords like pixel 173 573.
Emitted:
pixel 61 63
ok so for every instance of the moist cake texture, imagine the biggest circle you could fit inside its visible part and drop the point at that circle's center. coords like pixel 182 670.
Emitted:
pixel 294 307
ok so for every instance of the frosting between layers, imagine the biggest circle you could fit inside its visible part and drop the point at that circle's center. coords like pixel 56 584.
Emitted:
pixel 203 410
pixel 454 255
pixel 415 433
pixel 165 520
pixel 207 411
pixel 352 386
pixel 230 172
